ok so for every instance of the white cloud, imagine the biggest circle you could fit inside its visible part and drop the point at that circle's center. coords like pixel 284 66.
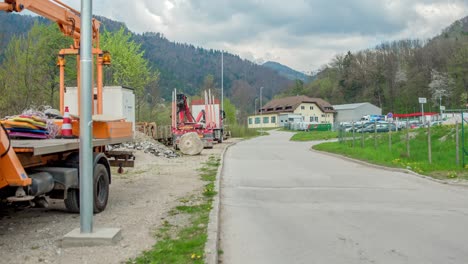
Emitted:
pixel 303 34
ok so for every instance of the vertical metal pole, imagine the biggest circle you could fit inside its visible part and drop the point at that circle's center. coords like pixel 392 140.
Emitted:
pixel 208 114
pixel 354 134
pixel 86 123
pixel 261 112
pixel 62 88
pixel 362 138
pixel 222 81
pixel 390 136
pixel 440 105
pixel 99 84
pixel 457 144
pixel 255 106
pixel 375 134
pixel 407 139
pixel 429 147
pixel 463 139
pixel 422 114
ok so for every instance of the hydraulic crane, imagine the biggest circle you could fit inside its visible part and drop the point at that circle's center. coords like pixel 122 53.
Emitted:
pixel 69 22
pixel 33 169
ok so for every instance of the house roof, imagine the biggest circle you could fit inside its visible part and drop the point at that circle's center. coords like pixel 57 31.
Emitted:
pixel 289 104
pixel 348 106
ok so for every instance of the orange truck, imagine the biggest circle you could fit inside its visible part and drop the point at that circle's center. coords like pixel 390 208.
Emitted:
pixel 32 170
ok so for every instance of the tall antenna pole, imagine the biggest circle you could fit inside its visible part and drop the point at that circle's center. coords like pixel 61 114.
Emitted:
pixel 222 80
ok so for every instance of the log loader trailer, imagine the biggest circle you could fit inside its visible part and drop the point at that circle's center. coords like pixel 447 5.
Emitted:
pixel 31 170
pixel 183 122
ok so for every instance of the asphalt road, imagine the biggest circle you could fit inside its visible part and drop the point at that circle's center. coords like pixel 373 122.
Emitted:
pixel 282 203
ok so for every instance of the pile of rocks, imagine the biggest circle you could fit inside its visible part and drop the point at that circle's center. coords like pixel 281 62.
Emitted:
pixel 148 145
pixel 157 149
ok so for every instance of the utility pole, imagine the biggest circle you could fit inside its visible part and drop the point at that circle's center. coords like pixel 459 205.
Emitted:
pixel 261 112
pixel 222 81
pixel 255 106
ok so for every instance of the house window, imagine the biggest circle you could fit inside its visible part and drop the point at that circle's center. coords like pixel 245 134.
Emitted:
pixel 250 120
pixel 288 107
pixel 316 119
pixel 311 108
pixel 323 115
pixel 311 119
pixel 302 107
pixel 266 119
pixel 273 119
pixel 257 120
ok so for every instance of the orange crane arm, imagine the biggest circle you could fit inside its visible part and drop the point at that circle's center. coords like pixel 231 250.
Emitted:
pixel 67 18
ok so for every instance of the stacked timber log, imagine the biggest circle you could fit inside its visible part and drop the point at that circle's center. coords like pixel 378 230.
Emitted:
pixel 190 144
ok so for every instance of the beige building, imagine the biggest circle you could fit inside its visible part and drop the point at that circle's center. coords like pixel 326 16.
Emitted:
pixel 278 112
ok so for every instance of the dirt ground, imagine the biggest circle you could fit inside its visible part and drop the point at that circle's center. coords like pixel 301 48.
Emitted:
pixel 138 204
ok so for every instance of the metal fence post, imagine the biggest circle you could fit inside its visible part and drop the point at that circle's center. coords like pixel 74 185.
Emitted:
pixel 375 134
pixel 354 137
pixel 362 139
pixel 390 136
pixel 457 144
pixel 429 148
pixel 463 139
pixel 407 139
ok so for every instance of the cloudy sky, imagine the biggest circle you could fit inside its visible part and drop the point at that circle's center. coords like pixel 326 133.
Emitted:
pixel 303 34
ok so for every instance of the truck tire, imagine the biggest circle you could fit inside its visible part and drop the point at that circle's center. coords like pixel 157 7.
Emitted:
pixel 72 203
pixel 101 188
pixel 100 192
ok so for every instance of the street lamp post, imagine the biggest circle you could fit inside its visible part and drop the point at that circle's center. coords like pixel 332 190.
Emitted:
pixel 261 112
pixel 255 106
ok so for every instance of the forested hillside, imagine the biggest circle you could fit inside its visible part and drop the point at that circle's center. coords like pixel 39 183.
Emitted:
pixel 182 66
pixel 393 75
pixel 185 67
pixel 287 72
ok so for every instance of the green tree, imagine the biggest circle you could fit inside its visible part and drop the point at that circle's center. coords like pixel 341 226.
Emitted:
pixel 230 111
pixel 129 67
pixel 29 76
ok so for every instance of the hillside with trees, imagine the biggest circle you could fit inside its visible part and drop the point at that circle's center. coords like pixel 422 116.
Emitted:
pixel 394 74
pixel 287 72
pixel 181 66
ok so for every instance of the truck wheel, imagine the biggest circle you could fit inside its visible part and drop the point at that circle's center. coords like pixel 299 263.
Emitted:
pixel 100 191
pixel 72 203
pixel 221 135
pixel 101 188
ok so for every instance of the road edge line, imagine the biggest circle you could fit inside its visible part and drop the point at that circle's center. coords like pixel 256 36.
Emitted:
pixel 212 241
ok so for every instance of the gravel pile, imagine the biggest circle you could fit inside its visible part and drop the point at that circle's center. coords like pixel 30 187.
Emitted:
pixel 157 149
pixel 148 145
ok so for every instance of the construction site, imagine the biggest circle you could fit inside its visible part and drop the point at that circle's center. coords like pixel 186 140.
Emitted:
pixel 86 183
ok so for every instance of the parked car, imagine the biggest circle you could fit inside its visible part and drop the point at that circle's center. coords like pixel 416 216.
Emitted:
pixel 378 127
pixel 436 123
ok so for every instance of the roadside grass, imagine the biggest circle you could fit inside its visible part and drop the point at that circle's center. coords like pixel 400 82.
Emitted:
pixel 185 243
pixel 443 164
pixel 247 133
pixel 242 131
pixel 314 135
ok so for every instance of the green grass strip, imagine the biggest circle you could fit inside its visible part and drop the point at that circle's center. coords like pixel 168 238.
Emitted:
pixel 376 149
pixel 185 244
pixel 314 135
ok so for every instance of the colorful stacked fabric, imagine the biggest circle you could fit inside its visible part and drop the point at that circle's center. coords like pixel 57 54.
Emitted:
pixel 26 126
